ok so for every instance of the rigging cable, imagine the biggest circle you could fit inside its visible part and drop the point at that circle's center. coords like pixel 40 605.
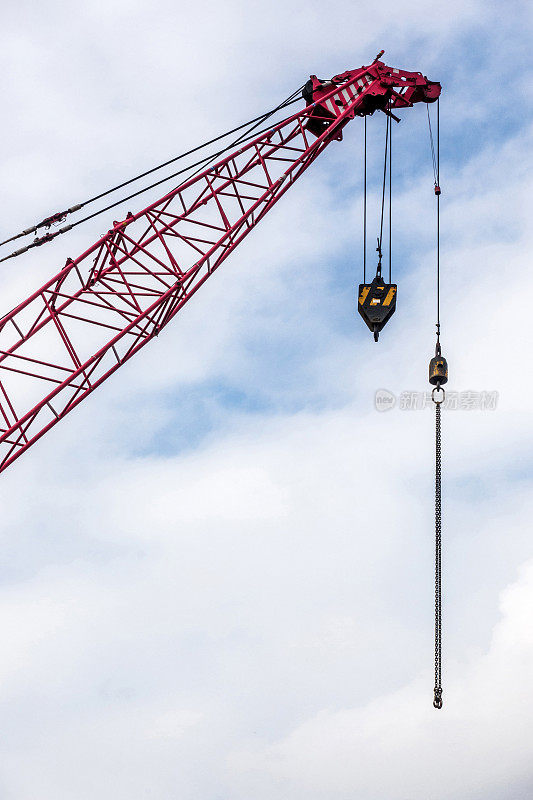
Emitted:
pixel 55 218
pixel 364 211
pixel 377 301
pixel 433 158
pixel 380 238
pixel 204 162
pixel 390 200
pixel 437 193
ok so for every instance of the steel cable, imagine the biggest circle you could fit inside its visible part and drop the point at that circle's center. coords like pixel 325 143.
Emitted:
pixel 60 216
pixel 201 164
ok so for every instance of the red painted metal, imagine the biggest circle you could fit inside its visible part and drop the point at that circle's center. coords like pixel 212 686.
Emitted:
pixel 62 342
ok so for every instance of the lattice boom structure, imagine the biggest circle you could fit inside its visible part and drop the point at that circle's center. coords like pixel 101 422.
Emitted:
pixel 57 346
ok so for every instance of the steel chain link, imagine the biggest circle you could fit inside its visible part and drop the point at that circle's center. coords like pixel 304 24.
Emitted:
pixel 437 699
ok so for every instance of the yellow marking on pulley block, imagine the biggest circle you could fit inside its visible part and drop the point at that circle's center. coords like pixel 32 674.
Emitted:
pixel 363 295
pixel 390 295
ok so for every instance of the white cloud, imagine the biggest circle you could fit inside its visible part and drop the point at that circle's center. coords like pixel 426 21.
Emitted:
pixel 249 614
pixel 397 747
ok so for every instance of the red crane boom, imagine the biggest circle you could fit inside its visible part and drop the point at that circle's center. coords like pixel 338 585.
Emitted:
pixel 64 340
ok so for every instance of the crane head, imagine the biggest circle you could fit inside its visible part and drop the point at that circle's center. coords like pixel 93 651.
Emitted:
pixel 359 92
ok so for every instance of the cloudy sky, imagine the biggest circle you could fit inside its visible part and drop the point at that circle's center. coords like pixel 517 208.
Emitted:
pixel 216 574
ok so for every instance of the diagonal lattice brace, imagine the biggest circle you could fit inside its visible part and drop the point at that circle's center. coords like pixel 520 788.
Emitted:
pixel 62 342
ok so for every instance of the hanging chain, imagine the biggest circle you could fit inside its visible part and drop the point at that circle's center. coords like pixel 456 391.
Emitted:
pixel 437 699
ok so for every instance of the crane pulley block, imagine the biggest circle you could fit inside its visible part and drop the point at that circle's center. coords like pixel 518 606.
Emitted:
pixel 377 303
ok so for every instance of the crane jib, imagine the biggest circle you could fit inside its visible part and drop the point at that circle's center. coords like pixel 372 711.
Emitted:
pixel 102 307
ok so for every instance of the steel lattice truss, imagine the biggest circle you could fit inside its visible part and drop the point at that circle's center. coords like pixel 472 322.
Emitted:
pixel 57 346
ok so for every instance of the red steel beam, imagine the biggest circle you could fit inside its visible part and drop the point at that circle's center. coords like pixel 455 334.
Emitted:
pixel 103 306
